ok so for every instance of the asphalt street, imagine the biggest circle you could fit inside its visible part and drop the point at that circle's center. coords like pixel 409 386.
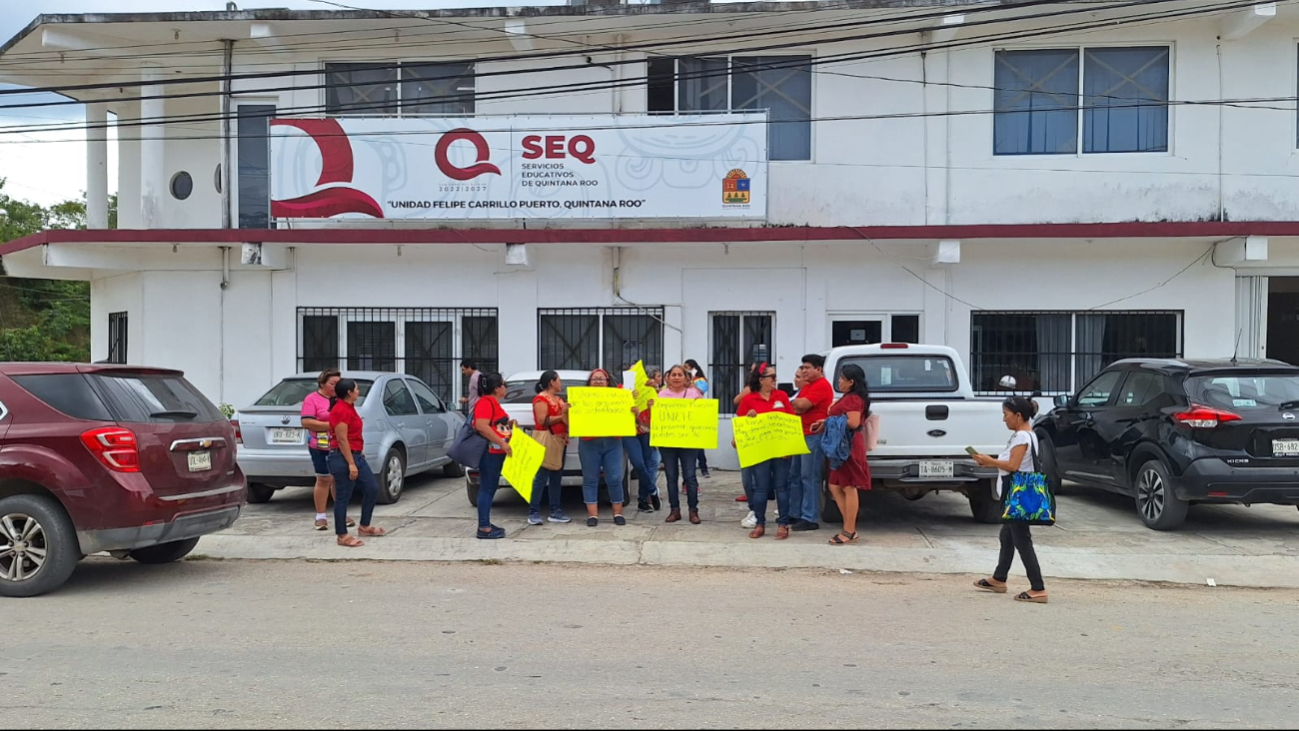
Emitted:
pixel 259 644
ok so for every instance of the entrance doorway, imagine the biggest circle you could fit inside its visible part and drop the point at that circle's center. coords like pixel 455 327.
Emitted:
pixel 1283 319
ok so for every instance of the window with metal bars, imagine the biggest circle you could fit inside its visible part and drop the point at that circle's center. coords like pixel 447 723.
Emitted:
pixel 1059 352
pixel 426 342
pixel 117 327
pixel 378 89
pixel 739 339
pixel 612 338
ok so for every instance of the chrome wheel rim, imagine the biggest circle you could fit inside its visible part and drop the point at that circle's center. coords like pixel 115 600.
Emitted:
pixel 23 547
pixel 1150 494
pixel 395 476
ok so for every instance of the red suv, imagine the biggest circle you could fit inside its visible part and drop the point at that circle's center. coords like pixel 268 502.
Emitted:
pixel 133 461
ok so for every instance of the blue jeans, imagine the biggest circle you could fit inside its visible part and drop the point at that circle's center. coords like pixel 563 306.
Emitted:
pixel 680 464
pixel 638 450
pixel 552 480
pixel 489 478
pixel 345 485
pixel 604 453
pixel 767 477
pixel 805 482
pixel 747 477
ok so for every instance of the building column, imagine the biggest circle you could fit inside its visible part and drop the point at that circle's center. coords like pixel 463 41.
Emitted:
pixel 97 165
pixel 153 170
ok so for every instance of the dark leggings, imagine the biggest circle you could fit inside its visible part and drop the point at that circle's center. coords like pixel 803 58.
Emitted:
pixel 1016 537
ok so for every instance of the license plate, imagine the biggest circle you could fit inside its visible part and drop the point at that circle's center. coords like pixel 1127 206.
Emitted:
pixel 286 436
pixel 936 470
pixel 200 461
pixel 1285 447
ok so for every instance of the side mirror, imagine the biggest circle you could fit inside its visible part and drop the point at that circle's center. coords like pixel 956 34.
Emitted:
pixel 1061 401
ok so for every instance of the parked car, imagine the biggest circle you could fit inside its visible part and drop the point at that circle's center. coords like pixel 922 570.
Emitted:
pixel 928 416
pixel 520 389
pixel 1173 433
pixel 408 426
pixel 133 461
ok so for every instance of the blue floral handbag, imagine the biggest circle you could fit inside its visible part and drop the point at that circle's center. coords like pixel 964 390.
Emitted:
pixel 1029 499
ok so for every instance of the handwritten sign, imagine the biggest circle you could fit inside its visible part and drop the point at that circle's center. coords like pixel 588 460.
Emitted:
pixel 642 392
pixel 685 423
pixel 520 468
pixel 768 436
pixel 600 412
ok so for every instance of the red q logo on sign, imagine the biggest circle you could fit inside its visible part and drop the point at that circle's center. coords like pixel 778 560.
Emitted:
pixel 480 166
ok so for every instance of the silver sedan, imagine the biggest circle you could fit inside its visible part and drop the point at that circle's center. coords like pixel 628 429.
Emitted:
pixel 408 430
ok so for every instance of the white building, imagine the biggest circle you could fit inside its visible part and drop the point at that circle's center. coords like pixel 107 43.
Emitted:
pixel 909 194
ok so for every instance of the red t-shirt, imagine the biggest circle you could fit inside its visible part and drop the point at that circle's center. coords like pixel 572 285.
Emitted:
pixel 554 411
pixel 753 402
pixel 821 396
pixel 345 413
pixel 490 409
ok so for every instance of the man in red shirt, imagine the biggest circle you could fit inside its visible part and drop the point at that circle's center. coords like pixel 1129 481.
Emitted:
pixel 812 404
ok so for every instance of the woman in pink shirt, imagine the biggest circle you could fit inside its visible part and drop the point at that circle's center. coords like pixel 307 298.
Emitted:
pixel 315 421
pixel 681 462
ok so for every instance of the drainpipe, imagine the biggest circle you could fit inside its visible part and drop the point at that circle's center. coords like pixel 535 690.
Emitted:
pixel 221 356
pixel 1222 203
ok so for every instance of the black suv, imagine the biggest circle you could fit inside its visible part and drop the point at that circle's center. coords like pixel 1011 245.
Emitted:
pixel 1175 432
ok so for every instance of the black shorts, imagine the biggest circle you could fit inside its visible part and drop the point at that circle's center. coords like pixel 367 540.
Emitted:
pixel 320 460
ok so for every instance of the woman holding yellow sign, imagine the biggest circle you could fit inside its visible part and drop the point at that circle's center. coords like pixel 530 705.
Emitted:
pixel 677 462
pixel 601 454
pixel 764 398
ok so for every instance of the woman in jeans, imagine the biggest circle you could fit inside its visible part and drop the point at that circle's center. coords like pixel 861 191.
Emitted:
pixel 550 414
pixel 491 421
pixel 680 463
pixel 601 454
pixel 762 397
pixel 700 382
pixel 1017 413
pixel 315 420
pixel 348 465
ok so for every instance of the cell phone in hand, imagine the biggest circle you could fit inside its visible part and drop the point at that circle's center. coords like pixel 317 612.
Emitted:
pixel 971 451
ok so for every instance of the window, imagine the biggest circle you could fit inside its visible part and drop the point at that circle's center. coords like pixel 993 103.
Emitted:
pixel 1118 95
pixel 1257 390
pixel 397 400
pixel 428 343
pixel 739 339
pixel 1098 392
pixel 117 331
pixel 904 373
pixel 873 329
pixel 612 338
pixel 147 399
pixel 523 392
pixel 1055 352
pixel 780 85
pixel 393 89
pixel 292 392
pixel 1141 389
pixel 252 130
pixel 429 403
pixel 69 393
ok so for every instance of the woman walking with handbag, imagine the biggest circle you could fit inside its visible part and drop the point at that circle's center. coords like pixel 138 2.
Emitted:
pixel 493 424
pixel 680 463
pixel 550 413
pixel 854 473
pixel 1019 458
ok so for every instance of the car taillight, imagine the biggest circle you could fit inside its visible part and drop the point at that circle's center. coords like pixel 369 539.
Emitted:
pixel 239 435
pixel 1204 417
pixel 116 447
pixel 893 346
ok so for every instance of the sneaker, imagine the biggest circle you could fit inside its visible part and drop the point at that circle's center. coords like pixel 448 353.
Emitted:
pixel 742 499
pixel 644 507
pixel 655 502
pixel 491 535
pixel 705 474
pixel 805 525
pixel 557 516
pixel 534 518
pixel 750 520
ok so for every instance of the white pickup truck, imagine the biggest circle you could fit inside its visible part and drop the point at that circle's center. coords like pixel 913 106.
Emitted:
pixel 928 416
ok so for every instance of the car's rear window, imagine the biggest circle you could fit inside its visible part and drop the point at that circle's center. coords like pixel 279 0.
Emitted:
pixel 522 392
pixel 904 373
pixel 292 391
pixel 1245 390
pixel 124 397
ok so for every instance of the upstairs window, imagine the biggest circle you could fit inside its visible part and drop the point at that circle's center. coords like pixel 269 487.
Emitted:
pixel 379 89
pixel 1117 97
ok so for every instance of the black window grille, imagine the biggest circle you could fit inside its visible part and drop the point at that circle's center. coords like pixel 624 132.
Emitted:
pixel 376 89
pixel 739 340
pixel 1059 352
pixel 117 328
pixel 426 342
pixel 613 338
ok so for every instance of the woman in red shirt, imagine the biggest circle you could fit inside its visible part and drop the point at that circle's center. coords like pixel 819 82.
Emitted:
pixel 854 474
pixel 347 464
pixel 491 421
pixel 764 398
pixel 550 414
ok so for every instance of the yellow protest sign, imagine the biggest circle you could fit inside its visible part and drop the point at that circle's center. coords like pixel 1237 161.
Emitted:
pixel 684 423
pixel 600 412
pixel 520 468
pixel 643 392
pixel 768 436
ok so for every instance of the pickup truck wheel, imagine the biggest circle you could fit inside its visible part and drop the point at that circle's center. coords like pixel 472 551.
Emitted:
pixel 1049 466
pixel 393 477
pixel 259 493
pixel 1158 507
pixel 984 504
pixel 38 546
pixel 830 512
pixel 472 491
pixel 164 552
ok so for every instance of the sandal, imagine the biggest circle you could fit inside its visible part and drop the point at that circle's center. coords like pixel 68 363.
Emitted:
pixel 757 532
pixel 782 533
pixel 349 541
pixel 322 524
pixel 351 523
pixel 1024 596
pixel 843 539
pixel 366 530
pixel 986 585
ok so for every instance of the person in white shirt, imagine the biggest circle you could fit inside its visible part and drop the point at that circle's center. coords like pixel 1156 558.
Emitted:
pixel 1017 413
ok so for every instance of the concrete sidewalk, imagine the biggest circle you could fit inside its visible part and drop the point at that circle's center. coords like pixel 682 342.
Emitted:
pixel 1099 537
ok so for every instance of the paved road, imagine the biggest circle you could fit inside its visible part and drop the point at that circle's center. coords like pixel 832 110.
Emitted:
pixel 225 644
